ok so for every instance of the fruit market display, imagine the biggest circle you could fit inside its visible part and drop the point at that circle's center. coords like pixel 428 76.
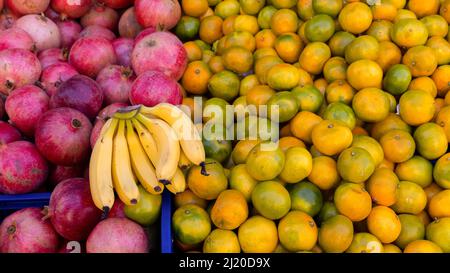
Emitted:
pixel 92 109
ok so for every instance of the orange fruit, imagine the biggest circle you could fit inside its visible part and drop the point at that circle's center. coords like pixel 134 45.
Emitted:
pixel 387 164
pixel 271 199
pixel 284 21
pixel 335 69
pixel 399 4
pixel 339 91
pixel 283 4
pixel 314 56
pixel 302 125
pixel 245 22
pixel 216 64
pixel 237 59
pixel 305 9
pixel 436 25
pixel 285 131
pixel 359 131
pixel 443 120
pixel 353 201
pixel 308 98
pixel 194 52
pixel 241 181
pixel 412 229
pixel 391 122
pixel 324 172
pixel 321 85
pixel 384 223
pixel 331 137
pixel 364 73
pixel 431 191
pixel 191 224
pixel 304 77
pixel 297 166
pixel 194 8
pixel 382 186
pixel 211 29
pixel 421 60
pixel 422 246
pixel 425 84
pixel 371 105
pixel 371 146
pixel 248 83
pixel 207 187
pixel 227 8
pixel 424 217
pixel 259 95
pixel 258 235
pixel 404 14
pixel 339 41
pixel 409 33
pixel 355 17
pixel 288 47
pixel 363 47
pixel 336 234
pixel 431 140
pixel 188 197
pixel 398 145
pixel 423 8
pixel 411 198
pixel 265 38
pixel 195 78
pixel 290 141
pixel 364 242
pixel 320 28
pixel 437 232
pixel 282 76
pixel 329 7
pixel 221 241
pixel 228 24
pixel 230 210
pixel 441 171
pixel 239 38
pixel 341 113
pixel 416 107
pixel 439 205
pixel 297 231
pixel 265 164
pixel 384 10
pixel 391 248
pixel 263 65
pixel 355 165
pixel 444 11
pixel 389 55
pixel 442 49
pixel 380 30
pixel 417 170
pixel 441 78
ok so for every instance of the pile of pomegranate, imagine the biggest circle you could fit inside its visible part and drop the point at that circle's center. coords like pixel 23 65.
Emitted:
pixel 66 66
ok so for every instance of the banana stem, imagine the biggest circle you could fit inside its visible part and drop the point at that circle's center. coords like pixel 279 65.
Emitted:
pixel 165 182
pixel 105 212
pixel 128 112
pixel 203 171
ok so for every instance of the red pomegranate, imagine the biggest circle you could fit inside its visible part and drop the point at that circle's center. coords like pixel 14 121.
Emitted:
pixel 27 231
pixel 62 136
pixel 52 56
pixel 24 7
pixel 60 173
pixel 117 4
pixel 117 210
pixel 116 82
pixel 53 76
pixel 71 8
pixel 71 209
pixel 128 25
pixel 101 15
pixel 90 55
pixel 123 48
pixel 153 87
pixel 117 235
pixel 23 169
pixel 160 51
pixel 53 15
pixel 162 14
pixel 144 33
pixel 25 106
pixel 81 93
pixel 16 38
pixel 95 31
pixel 70 32
pixel 8 133
pixel 18 67
pixel 44 31
pixel 7 19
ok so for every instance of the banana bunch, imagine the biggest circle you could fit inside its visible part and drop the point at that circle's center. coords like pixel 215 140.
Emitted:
pixel 146 145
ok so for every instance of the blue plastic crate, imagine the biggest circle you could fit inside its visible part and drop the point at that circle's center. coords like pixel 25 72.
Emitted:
pixel 166 223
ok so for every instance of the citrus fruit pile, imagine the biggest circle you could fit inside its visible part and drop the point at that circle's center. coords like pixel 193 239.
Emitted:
pixel 362 162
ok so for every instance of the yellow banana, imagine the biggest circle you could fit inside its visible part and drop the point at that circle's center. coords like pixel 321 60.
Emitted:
pixel 100 176
pixel 178 184
pixel 186 131
pixel 147 141
pixel 128 112
pixel 123 177
pixel 142 167
pixel 184 163
pixel 167 145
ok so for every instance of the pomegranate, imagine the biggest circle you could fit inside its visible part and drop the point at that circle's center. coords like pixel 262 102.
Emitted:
pixel 109 110
pixel 71 209
pixel 7 19
pixel 164 14
pixel 90 55
pixel 97 32
pixel 44 31
pixel 101 16
pixel 25 106
pixel 98 125
pixel 18 67
pixel 2 107
pixel 71 8
pixel 27 231
pixel 22 168
pixel 52 14
pixel 128 25
pixel 70 32
pixel 23 7
pixel 62 136
pixel 144 33
pixel 153 87
pixel 117 4
pixel 1 4
pixel 60 173
pixel 53 56
pixel 116 82
pixel 117 235
pixel 123 48
pixel 16 38
pixel 8 133
pixel 117 210
pixel 80 93
pixel 160 51
pixel 56 74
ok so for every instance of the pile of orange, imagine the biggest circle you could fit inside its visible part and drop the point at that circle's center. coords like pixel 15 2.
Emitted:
pixel 362 164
